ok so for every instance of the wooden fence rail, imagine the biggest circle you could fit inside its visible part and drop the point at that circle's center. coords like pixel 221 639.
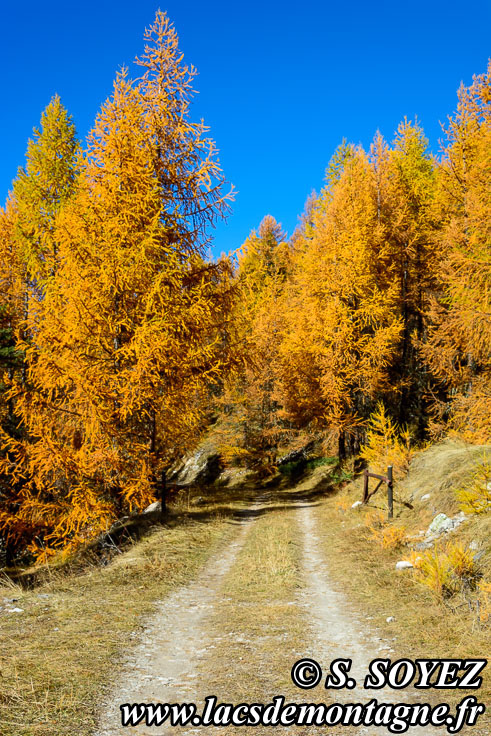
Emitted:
pixel 388 479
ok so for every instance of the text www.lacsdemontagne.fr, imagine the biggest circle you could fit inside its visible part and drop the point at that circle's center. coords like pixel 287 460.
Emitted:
pixel 396 717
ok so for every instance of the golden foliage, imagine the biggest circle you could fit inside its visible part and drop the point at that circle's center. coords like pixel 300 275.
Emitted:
pixel 475 496
pixel 387 535
pixel 131 330
pixel 251 426
pixel 387 444
pixel 448 570
pixel 458 351
pixel 341 324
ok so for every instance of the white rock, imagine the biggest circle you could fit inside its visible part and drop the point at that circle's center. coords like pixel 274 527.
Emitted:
pixel 474 545
pixel 356 504
pixel 403 565
pixel 389 619
pixel 15 610
pixel 426 497
pixel 155 506
pixel 441 523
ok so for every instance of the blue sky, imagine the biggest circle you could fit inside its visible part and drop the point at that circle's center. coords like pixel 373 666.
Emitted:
pixel 280 83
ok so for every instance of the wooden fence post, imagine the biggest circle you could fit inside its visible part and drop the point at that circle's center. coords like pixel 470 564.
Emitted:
pixel 163 495
pixel 390 492
pixel 365 485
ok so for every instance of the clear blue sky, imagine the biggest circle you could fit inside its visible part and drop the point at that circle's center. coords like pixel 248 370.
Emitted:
pixel 280 83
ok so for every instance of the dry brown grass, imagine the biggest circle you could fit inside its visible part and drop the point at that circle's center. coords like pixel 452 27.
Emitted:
pixel 59 652
pixel 426 625
pixel 260 629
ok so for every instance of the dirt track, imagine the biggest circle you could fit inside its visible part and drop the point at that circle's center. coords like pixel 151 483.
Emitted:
pixel 191 645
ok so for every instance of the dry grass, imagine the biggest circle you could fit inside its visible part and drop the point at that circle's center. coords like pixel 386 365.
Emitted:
pixel 260 630
pixel 60 651
pixel 426 625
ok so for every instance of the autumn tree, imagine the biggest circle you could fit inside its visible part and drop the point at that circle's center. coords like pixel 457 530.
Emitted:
pixel 251 426
pixel 40 190
pixel 13 300
pixel 459 350
pixel 132 335
pixel 342 323
pixel 408 259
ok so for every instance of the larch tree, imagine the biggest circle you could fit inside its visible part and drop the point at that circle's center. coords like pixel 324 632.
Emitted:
pixel 134 330
pixel 40 190
pixel 28 262
pixel 13 292
pixel 251 427
pixel 459 351
pixel 409 258
pixel 342 323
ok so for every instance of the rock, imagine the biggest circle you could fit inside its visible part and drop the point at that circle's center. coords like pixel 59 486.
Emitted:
pixel 426 544
pixel 390 619
pixel 474 545
pixel 203 466
pixel 442 524
pixel 404 565
pixel 357 504
pixel 426 497
pixel 232 477
pixel 155 506
pixel 15 610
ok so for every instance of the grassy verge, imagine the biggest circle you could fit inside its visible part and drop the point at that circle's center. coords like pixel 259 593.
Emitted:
pixel 59 651
pixel 424 626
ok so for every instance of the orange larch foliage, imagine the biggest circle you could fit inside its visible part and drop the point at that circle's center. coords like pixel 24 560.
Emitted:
pixel 459 350
pixel 342 324
pixel 133 329
pixel 252 428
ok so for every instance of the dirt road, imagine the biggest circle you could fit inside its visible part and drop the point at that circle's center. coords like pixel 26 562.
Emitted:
pixel 261 604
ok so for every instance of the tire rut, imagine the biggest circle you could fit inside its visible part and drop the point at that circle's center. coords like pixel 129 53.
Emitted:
pixel 161 668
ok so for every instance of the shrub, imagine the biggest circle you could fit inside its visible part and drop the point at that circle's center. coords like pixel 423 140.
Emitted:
pixel 475 497
pixel 387 536
pixel 449 570
pixel 387 444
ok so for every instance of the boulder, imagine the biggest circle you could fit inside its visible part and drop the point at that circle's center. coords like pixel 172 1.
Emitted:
pixel 200 468
pixel 296 455
pixel 442 524
pixel 155 506
pixel 404 565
